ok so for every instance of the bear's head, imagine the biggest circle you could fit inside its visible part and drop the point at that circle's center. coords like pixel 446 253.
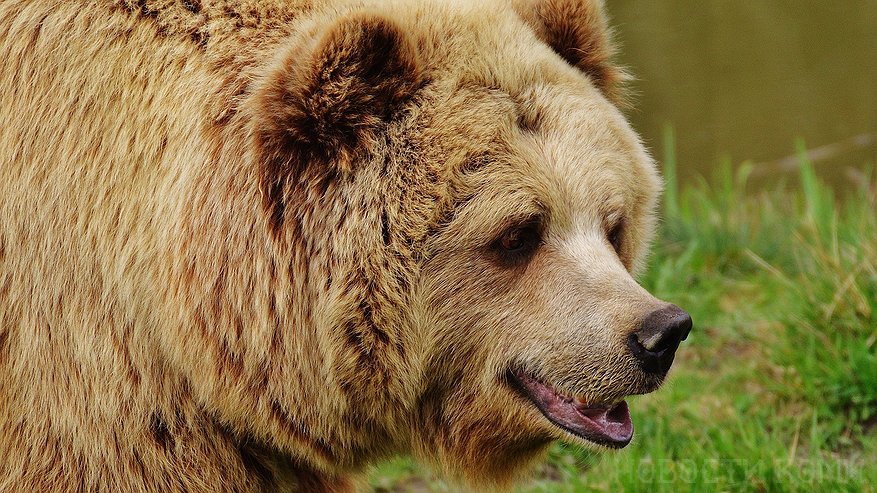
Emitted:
pixel 467 208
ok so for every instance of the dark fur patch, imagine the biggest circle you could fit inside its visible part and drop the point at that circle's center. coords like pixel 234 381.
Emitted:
pixel 314 482
pixel 529 119
pixel 186 18
pixel 354 336
pixel 275 203
pixel 193 6
pixel 200 38
pixel 160 432
pixel 146 10
pixel 385 228
pixel 321 111
pixel 255 467
pixel 299 433
pixel 368 316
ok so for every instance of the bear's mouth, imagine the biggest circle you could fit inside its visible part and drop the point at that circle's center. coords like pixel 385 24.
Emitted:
pixel 604 424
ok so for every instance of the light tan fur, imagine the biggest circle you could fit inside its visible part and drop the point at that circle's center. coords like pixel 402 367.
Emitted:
pixel 240 252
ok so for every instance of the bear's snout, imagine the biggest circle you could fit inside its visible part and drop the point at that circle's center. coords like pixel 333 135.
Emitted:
pixel 654 344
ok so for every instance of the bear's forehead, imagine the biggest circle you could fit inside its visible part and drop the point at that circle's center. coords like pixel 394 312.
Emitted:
pixel 564 145
pixel 590 150
pixel 501 99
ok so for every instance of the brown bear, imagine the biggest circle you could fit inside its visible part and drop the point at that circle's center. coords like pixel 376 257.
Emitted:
pixel 257 245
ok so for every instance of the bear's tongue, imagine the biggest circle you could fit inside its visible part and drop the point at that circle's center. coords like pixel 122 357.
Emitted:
pixel 606 425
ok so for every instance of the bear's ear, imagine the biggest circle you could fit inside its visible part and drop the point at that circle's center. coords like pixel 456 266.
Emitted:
pixel 577 30
pixel 325 98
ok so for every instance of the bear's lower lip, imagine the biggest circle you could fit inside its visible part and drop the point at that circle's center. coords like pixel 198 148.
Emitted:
pixel 607 425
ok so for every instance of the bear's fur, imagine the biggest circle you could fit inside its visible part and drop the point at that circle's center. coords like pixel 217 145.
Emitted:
pixel 252 245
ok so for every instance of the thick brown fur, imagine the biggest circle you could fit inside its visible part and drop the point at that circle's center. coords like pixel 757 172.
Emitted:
pixel 246 246
pixel 578 32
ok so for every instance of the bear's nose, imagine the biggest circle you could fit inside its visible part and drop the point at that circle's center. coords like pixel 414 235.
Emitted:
pixel 655 343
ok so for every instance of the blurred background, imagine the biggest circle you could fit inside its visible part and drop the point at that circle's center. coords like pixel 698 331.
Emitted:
pixel 743 80
pixel 763 118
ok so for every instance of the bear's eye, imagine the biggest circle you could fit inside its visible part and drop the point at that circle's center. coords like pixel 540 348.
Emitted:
pixel 518 242
pixel 513 241
pixel 616 236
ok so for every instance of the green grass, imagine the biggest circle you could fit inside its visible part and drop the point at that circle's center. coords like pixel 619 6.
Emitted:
pixel 776 389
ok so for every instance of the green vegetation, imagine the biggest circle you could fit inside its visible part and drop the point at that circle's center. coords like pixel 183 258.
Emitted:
pixel 776 389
